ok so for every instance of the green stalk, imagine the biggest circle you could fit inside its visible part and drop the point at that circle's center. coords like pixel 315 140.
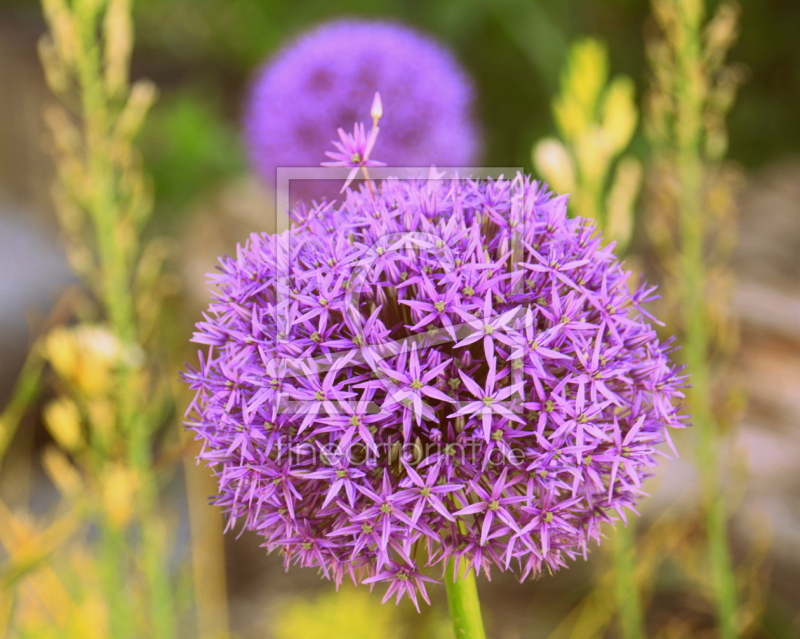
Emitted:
pixel 462 596
pixel 626 589
pixel 116 270
pixel 113 574
pixel 26 390
pixel 688 128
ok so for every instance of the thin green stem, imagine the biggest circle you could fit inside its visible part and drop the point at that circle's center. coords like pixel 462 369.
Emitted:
pixel 113 571
pixel 689 126
pixel 116 250
pixel 626 588
pixel 26 390
pixel 462 596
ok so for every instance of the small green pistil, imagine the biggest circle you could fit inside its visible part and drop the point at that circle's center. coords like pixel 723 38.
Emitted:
pixel 341 474
pixel 386 508
pixel 497 435
pixel 549 406
pixel 439 306
pixel 416 384
pixel 323 301
pixel 488 329
pixel 306 545
pixel 274 384
pixel 468 291
pixel 319 396
pixel 425 492
pixel 453 383
pixel 494 505
pixel 355 420
pixel 488 401
pixel 582 418
pixel 548 517
pixel 626 451
pixel 315 337
pixel 366 528
pixel 401 576
pixel 355 158
pixel 543 474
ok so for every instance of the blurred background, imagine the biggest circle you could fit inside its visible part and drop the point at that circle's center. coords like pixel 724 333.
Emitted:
pixel 201 54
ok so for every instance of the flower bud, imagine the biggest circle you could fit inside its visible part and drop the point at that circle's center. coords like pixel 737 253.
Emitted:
pixel 63 421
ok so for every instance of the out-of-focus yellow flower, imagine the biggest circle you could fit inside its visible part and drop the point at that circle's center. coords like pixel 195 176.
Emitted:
pixel 348 614
pixel 582 82
pixel 619 113
pixel 596 120
pixel 119 486
pixel 621 199
pixel 63 420
pixel 554 163
pixel 592 154
pixel 86 355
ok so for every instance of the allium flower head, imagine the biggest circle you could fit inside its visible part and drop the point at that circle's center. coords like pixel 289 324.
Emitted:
pixel 309 89
pixel 451 365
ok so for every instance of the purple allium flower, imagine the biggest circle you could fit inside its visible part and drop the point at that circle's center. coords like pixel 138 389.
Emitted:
pixel 433 369
pixel 353 151
pixel 309 89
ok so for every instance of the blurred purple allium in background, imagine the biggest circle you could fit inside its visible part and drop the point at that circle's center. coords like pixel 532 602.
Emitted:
pixel 437 369
pixel 309 88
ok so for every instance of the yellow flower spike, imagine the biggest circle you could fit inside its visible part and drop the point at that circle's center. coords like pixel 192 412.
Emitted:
pixel 61 350
pixel 593 153
pixel 553 162
pixel 621 200
pixel 570 117
pixel 62 473
pixel 118 29
pixel 63 421
pixel 619 113
pixel 119 486
pixel 587 72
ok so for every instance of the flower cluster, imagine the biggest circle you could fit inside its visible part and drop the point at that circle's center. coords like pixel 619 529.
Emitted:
pixel 434 369
pixel 309 89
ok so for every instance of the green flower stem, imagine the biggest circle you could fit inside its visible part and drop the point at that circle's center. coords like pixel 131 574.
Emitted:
pixel 462 596
pixel 26 390
pixel 689 128
pixel 626 588
pixel 117 245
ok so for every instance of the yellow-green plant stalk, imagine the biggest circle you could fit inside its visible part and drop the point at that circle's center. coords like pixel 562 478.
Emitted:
pixel 596 120
pixel 113 399
pixel 691 94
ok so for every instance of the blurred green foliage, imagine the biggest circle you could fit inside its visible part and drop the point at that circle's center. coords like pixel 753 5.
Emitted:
pixel 190 147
